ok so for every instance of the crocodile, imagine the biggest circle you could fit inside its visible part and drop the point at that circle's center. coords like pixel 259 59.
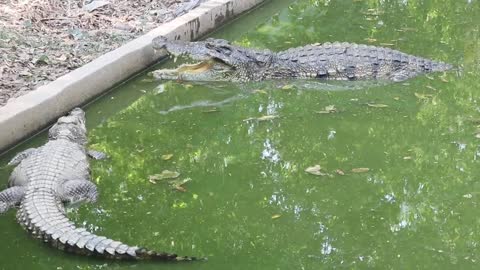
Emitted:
pixel 222 61
pixel 49 178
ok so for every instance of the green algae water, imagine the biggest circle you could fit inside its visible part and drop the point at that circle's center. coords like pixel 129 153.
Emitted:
pixel 399 183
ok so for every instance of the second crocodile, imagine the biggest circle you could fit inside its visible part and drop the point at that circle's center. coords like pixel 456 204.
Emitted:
pixel 222 61
pixel 56 173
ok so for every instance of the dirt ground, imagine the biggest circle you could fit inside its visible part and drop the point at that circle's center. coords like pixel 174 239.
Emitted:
pixel 41 40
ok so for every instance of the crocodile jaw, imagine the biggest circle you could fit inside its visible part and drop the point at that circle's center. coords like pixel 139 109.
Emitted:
pixel 207 70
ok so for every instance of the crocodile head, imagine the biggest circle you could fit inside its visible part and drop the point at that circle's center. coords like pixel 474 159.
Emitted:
pixel 217 60
pixel 70 127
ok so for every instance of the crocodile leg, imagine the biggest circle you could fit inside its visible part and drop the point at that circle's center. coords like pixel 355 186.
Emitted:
pixel 11 197
pixel 21 156
pixel 78 190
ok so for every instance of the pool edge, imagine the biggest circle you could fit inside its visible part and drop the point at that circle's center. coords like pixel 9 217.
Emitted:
pixel 27 114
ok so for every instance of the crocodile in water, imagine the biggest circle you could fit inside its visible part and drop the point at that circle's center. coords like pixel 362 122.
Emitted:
pixel 56 173
pixel 222 61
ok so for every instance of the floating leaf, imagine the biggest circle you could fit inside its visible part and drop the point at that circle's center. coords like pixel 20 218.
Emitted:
pixel 315 170
pixel 423 96
pixel 276 216
pixel 477 136
pixel 262 118
pixel 407 158
pixel 287 87
pixel 259 91
pixel 431 88
pixel 370 40
pixel 374 105
pixel 360 170
pixel 396 98
pixel 180 188
pixel 211 110
pixel 339 172
pixel 166 174
pixel 328 109
pixel 178 184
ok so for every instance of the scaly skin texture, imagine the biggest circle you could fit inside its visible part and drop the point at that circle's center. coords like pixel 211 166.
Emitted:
pixel 58 172
pixel 328 61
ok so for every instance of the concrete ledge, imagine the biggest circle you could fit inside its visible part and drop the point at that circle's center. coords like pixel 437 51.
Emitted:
pixel 27 114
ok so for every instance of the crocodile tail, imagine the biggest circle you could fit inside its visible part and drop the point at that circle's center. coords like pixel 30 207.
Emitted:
pixel 440 66
pixel 45 219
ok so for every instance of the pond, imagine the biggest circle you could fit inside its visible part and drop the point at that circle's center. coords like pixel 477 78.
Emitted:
pixel 401 183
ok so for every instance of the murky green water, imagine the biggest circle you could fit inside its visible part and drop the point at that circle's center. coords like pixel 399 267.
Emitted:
pixel 250 205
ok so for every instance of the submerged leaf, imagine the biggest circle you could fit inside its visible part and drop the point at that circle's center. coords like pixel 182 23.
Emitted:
pixel 360 170
pixel 328 109
pixel 262 118
pixel 315 170
pixel 373 105
pixel 167 156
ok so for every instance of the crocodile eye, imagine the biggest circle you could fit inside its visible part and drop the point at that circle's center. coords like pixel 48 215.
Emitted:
pixel 224 50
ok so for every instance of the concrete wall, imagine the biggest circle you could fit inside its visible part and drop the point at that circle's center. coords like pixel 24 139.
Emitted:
pixel 27 114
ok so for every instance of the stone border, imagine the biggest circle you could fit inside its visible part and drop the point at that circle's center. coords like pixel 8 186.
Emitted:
pixel 23 116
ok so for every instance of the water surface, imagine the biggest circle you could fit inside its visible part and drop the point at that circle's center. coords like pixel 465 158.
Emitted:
pixel 250 204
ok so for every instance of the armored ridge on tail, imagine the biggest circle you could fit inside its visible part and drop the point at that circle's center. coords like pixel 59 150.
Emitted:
pixel 47 177
pixel 222 61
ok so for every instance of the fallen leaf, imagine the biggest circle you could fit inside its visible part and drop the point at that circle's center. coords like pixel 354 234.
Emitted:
pixel 94 5
pixel 42 60
pixel 360 170
pixel 276 216
pixel 373 105
pixel 315 170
